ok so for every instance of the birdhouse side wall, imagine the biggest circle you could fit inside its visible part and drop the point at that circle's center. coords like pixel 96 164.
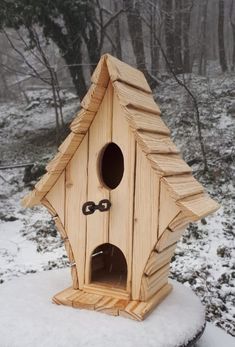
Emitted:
pixel 75 196
pixel 145 218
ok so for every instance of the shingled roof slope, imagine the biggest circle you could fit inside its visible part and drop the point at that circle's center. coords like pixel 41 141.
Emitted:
pixel 151 133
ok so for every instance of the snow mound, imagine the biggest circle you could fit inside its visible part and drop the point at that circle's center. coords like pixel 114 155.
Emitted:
pixel 28 318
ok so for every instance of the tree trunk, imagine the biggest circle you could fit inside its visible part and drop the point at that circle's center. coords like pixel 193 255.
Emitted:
pixel 222 54
pixel 187 67
pixel 169 30
pixel 203 49
pixel 178 38
pixel 233 57
pixel 232 21
pixel 117 34
pixel 136 34
pixel 154 49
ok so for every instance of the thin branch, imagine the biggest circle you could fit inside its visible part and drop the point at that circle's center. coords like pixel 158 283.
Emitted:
pixel 22 56
pixel 194 103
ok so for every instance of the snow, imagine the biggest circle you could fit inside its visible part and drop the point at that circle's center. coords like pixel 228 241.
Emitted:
pixel 215 337
pixel 28 318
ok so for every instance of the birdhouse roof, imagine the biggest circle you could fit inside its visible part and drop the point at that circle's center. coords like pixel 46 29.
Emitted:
pixel 151 133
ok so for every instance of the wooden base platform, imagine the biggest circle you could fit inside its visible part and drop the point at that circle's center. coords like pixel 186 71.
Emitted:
pixel 113 305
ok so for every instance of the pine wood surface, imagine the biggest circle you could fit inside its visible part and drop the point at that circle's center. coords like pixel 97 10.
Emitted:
pixel 132 309
pixel 93 98
pixel 158 260
pixel 145 218
pixel 121 212
pixel 198 206
pixel 71 143
pixel 169 165
pixel 168 209
pixel 76 195
pixel 168 238
pixel 100 133
pixel 151 284
pixel 49 207
pixel 46 182
pixel 181 186
pixel 82 121
pixel 56 196
pixel 116 70
pixel 155 143
pixel 180 222
pixel 130 96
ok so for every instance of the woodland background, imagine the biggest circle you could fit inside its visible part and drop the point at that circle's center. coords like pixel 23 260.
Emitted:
pixel 186 49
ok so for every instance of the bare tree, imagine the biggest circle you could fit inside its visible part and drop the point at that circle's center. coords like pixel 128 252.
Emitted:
pixel 186 13
pixel 134 21
pixel 167 8
pixel 178 63
pixel 42 59
pixel 232 22
pixel 222 54
pixel 202 41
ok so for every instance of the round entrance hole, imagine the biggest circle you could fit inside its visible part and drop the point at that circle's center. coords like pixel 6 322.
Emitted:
pixel 108 267
pixel 111 165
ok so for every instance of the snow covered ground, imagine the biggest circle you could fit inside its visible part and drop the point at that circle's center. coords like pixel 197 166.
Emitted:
pixel 205 257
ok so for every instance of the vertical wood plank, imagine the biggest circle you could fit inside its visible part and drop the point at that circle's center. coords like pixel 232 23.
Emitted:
pixel 121 213
pixel 145 218
pixel 76 195
pixel 99 136
pixel 56 196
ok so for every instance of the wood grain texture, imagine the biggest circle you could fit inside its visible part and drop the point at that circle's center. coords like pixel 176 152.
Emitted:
pixel 69 251
pixel 60 227
pixel 181 221
pixel 82 121
pixel 106 291
pixel 158 260
pixel 198 206
pixel 58 163
pixel 145 121
pixel 150 285
pixel 71 143
pixel 74 276
pixel 181 186
pixel 169 165
pixel 46 182
pixel 49 207
pixel 168 209
pixel 155 143
pixel 140 310
pixel 100 134
pixel 93 98
pixel 168 238
pixel 100 75
pixel 121 213
pixel 135 310
pixel 56 196
pixel 76 195
pixel 145 218
pixel 120 71
pixel 130 96
pixel 33 198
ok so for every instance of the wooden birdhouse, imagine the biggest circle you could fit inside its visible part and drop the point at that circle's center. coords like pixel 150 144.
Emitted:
pixel 120 195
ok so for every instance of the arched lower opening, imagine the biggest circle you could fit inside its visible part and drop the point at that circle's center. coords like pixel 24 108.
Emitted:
pixel 108 266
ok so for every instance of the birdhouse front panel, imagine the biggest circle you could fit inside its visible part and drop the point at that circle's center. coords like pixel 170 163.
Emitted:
pixel 120 195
